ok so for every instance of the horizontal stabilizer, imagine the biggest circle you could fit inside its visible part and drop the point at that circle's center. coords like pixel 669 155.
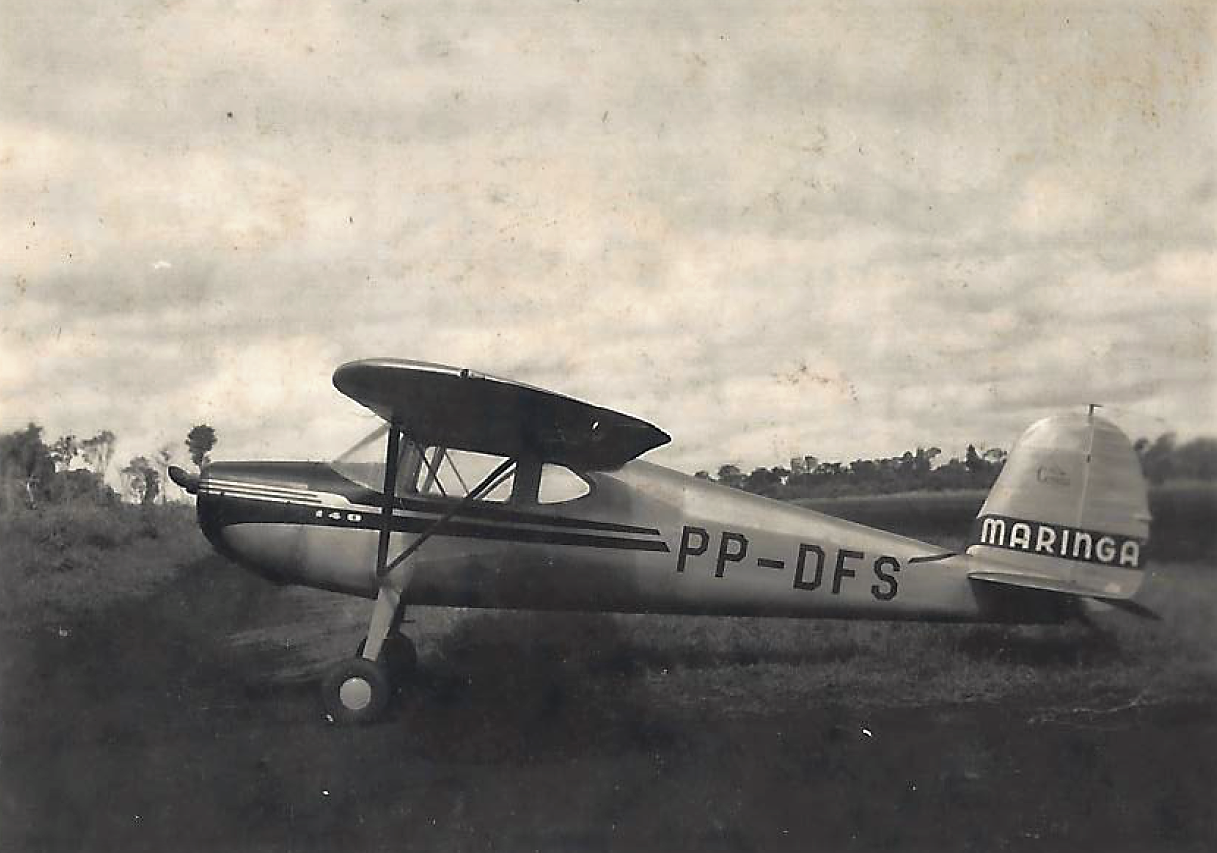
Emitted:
pixel 1060 587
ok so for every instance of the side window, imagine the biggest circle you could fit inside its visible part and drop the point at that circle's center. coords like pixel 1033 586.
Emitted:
pixel 559 485
pixel 455 473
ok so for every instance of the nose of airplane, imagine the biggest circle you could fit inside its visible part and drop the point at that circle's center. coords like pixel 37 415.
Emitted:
pixel 214 512
pixel 252 512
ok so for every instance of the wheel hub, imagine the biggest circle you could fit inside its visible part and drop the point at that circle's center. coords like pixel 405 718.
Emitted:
pixel 355 694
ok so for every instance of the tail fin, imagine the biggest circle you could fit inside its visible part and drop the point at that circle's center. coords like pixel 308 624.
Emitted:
pixel 1071 505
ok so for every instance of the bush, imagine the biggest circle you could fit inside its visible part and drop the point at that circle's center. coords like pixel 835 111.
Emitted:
pixel 65 555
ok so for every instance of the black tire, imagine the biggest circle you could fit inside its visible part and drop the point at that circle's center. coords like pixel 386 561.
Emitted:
pixel 356 691
pixel 397 654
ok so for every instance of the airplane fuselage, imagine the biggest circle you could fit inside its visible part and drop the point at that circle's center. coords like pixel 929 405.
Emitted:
pixel 644 539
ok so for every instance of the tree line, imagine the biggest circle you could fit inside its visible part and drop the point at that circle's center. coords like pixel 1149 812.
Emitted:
pixel 915 470
pixel 34 470
pixel 71 469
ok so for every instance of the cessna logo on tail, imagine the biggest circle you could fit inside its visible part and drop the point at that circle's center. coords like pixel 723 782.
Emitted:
pixel 1057 540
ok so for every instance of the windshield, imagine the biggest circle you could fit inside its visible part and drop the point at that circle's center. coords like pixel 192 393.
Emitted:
pixel 364 462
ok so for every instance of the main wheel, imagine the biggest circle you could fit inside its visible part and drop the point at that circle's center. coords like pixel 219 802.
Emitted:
pixel 397 654
pixel 356 691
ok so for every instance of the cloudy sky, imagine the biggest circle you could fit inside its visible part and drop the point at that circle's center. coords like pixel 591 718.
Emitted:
pixel 836 229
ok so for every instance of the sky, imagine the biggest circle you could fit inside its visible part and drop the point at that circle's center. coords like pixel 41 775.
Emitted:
pixel 841 229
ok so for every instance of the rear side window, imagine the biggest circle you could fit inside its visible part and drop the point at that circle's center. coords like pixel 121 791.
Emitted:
pixel 559 485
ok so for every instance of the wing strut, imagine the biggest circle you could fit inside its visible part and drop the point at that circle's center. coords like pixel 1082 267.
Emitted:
pixel 488 484
pixel 392 457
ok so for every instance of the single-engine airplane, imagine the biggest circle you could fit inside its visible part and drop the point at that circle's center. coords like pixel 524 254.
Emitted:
pixel 484 492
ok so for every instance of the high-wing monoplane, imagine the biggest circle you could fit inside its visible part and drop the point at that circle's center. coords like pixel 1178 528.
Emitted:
pixel 482 492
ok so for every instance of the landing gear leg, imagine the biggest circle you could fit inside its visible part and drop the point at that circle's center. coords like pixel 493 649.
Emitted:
pixel 399 657
pixel 359 690
pixel 385 621
pixel 396 651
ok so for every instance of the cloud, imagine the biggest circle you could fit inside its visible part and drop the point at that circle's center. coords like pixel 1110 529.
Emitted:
pixel 842 231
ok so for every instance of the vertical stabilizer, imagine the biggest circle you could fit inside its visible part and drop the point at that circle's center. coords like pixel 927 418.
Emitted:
pixel 1071 504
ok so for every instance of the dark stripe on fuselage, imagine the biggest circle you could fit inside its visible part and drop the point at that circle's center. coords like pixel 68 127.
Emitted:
pixel 932 558
pixel 492 513
pixel 219 512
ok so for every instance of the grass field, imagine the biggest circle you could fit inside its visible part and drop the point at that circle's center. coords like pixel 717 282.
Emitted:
pixel 153 696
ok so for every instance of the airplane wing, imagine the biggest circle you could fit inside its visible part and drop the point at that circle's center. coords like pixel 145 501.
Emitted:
pixel 1059 587
pixel 465 410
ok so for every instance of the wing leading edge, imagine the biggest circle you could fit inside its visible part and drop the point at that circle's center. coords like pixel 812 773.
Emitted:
pixel 462 409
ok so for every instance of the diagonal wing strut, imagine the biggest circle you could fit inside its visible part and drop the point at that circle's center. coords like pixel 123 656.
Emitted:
pixel 488 484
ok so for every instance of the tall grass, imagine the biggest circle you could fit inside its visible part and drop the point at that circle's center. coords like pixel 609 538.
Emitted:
pixel 83 555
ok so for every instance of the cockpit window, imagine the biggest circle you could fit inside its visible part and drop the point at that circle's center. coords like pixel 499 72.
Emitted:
pixel 431 471
pixel 455 473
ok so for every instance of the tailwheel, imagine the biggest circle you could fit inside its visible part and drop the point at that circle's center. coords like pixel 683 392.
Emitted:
pixel 356 690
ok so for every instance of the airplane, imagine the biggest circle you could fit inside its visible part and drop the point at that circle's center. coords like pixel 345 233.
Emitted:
pixel 478 491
